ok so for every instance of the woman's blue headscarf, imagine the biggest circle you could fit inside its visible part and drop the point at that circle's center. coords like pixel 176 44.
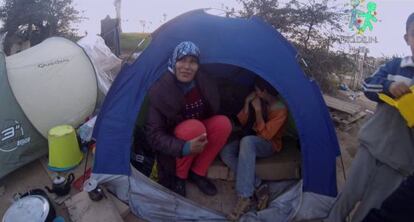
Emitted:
pixel 183 49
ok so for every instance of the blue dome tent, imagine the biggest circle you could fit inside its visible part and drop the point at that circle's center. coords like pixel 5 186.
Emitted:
pixel 250 44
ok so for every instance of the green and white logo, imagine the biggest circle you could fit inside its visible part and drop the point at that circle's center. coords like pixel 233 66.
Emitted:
pixel 12 136
pixel 362 16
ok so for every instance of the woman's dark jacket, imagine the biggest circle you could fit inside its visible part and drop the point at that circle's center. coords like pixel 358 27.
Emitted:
pixel 166 108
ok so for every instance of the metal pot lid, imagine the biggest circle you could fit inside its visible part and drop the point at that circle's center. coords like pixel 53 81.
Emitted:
pixel 59 180
pixel 29 208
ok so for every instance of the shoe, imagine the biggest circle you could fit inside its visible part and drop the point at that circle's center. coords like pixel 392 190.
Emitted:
pixel 204 184
pixel 243 205
pixel 262 195
pixel 180 186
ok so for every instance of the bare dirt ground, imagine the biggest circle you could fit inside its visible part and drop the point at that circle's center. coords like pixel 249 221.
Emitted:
pixel 34 175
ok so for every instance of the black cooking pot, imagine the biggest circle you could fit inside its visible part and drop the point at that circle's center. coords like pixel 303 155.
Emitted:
pixel 61 185
pixel 31 206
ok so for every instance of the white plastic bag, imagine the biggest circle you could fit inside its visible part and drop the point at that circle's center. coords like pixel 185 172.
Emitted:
pixel 106 64
pixel 85 131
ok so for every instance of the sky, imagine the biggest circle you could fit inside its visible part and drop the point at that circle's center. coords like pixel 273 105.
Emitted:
pixel 388 31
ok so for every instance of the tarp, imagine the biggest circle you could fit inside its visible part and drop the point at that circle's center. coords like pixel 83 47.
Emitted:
pixel 248 43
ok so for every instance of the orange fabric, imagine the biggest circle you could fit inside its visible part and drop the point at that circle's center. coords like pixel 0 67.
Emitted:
pixel 271 130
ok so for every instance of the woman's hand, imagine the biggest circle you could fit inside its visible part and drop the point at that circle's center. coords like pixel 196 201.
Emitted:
pixel 257 104
pixel 198 143
pixel 398 89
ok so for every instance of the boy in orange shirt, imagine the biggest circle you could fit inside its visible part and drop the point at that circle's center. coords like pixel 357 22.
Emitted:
pixel 267 113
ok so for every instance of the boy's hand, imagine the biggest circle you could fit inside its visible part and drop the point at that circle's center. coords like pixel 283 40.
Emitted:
pixel 257 104
pixel 198 143
pixel 250 97
pixel 398 89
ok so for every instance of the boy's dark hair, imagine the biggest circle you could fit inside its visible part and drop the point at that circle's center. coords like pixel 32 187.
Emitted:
pixel 409 21
pixel 264 85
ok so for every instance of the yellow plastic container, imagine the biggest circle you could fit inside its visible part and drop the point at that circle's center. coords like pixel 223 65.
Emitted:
pixel 64 152
pixel 405 105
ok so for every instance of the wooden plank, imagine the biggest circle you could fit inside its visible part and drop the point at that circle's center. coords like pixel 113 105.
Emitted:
pixel 340 105
pixel 122 208
pixel 337 119
pixel 282 166
pixel 83 209
pixel 218 170
pixel 354 118
pixel 224 201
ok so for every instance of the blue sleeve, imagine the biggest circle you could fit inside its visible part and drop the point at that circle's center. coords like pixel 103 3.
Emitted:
pixel 186 148
pixel 378 82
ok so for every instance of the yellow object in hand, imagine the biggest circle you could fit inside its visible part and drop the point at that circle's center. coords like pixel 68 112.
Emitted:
pixel 404 104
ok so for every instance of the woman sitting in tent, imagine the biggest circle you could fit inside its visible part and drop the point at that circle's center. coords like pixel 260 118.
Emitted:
pixel 182 125
pixel 266 114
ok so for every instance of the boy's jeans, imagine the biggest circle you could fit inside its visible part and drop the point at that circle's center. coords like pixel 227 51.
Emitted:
pixel 240 156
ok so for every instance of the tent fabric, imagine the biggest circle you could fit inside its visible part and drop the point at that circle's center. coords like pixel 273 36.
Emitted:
pixel 251 44
pixel 41 88
pixel 153 202
pixel 293 205
pixel 20 143
pixel 53 87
